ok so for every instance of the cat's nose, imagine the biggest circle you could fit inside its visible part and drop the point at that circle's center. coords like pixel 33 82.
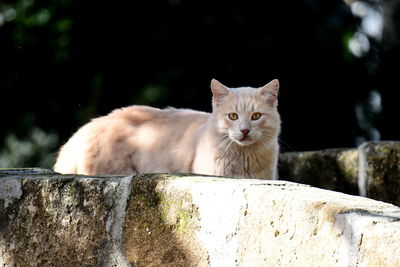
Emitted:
pixel 245 132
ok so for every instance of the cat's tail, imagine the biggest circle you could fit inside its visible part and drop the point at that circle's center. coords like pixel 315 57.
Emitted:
pixel 66 162
pixel 70 153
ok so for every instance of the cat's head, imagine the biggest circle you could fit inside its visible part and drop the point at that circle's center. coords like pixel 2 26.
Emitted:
pixel 246 115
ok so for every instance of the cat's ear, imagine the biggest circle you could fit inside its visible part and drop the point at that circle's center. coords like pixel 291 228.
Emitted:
pixel 218 90
pixel 270 91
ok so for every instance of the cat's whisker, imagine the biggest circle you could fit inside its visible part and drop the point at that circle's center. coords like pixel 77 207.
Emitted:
pixel 266 139
pixel 222 137
pixel 284 147
pixel 221 150
pixel 227 147
pixel 267 136
pixel 222 144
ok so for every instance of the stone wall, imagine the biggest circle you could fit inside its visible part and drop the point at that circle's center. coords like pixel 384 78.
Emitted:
pixel 371 170
pixel 48 219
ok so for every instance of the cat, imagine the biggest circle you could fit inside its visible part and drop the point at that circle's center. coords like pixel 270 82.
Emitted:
pixel 238 139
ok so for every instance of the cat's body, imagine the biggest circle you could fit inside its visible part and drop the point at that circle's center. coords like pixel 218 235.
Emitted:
pixel 140 139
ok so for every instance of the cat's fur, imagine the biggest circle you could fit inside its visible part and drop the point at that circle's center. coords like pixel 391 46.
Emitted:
pixel 141 139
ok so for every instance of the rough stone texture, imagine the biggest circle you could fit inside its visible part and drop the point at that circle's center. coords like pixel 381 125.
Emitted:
pixel 203 221
pixel 52 220
pixel 332 169
pixel 186 220
pixel 161 224
pixel 380 171
pixel 372 170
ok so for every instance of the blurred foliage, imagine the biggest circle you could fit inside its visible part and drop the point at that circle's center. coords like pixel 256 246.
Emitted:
pixel 36 150
pixel 66 61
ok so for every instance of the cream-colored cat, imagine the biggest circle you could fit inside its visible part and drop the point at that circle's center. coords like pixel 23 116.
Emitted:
pixel 238 139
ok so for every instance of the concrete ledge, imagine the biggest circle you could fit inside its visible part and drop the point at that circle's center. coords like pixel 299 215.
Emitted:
pixel 178 220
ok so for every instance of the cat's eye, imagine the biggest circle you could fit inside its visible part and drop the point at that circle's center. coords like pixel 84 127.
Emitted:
pixel 256 116
pixel 233 116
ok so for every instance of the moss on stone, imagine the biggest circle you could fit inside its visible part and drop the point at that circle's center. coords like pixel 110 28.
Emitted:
pixel 70 189
pixel 382 168
pixel 183 221
pixel 157 222
pixel 178 212
pixel 53 226
pixel 332 169
pixel 348 164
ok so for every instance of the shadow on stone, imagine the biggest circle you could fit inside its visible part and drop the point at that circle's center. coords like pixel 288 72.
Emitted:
pixel 380 172
pixel 332 169
pixel 154 222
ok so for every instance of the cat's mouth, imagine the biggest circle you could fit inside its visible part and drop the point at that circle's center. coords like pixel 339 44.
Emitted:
pixel 245 138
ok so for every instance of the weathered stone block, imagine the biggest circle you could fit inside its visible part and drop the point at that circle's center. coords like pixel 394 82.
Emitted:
pixel 332 169
pixel 161 223
pixel 372 170
pixel 379 175
pixel 203 221
pixel 49 219
pixel 188 220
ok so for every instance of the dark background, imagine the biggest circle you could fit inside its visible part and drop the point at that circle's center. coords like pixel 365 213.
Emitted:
pixel 66 61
